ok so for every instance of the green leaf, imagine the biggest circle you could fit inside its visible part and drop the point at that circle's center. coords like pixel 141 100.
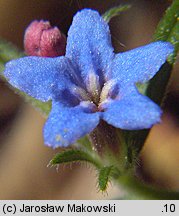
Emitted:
pixel 105 175
pixel 168 28
pixel 115 11
pixel 137 189
pixel 74 155
pixel 157 86
pixel 8 52
pixel 174 39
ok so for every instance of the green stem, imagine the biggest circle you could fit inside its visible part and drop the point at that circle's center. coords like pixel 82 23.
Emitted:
pixel 136 189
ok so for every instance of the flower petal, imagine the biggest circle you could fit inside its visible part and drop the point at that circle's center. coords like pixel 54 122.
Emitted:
pixel 133 112
pixel 39 76
pixel 140 64
pixel 65 125
pixel 89 43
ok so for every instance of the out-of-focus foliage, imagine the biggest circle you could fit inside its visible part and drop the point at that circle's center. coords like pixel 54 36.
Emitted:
pixel 115 11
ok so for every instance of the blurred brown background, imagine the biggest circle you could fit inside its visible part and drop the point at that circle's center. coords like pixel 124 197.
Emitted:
pixel 24 158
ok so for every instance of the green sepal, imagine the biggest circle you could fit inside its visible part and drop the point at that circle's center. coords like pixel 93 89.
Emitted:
pixel 74 155
pixel 105 175
pixel 115 11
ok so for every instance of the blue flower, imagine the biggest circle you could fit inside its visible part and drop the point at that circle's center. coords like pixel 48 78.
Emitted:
pixel 90 83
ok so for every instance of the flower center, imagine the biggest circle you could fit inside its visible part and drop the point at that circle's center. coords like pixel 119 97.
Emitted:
pixel 96 94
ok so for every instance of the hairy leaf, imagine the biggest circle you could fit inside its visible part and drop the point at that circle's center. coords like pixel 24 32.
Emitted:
pixel 167 30
pixel 105 174
pixel 73 155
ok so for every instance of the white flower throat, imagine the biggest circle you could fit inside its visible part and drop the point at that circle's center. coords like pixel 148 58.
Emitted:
pixel 95 94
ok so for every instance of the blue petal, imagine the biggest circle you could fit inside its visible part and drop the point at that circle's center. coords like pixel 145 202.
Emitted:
pixel 89 43
pixel 140 64
pixel 39 77
pixel 133 112
pixel 65 125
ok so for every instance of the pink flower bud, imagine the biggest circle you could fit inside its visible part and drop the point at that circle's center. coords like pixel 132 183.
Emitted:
pixel 41 39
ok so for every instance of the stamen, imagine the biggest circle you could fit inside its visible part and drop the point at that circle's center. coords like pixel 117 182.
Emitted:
pixel 93 86
pixel 80 93
pixel 106 90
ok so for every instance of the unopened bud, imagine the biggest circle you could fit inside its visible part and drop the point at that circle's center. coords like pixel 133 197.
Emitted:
pixel 41 39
